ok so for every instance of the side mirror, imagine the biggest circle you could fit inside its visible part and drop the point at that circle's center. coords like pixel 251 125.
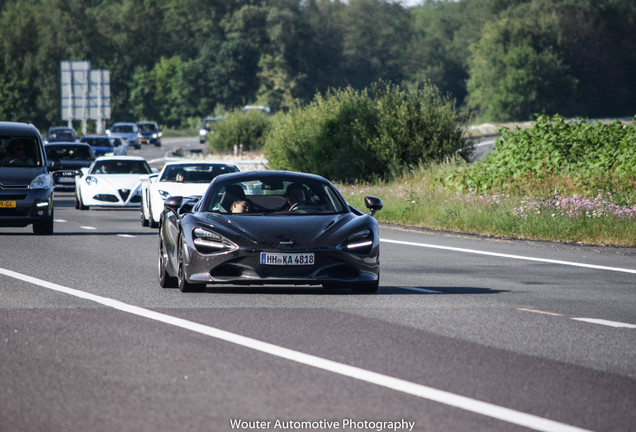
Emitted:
pixel 373 203
pixel 173 203
pixel 188 205
pixel 54 164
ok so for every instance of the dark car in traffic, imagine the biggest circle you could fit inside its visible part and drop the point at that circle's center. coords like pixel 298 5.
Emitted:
pixel 26 187
pixel 103 145
pixel 60 134
pixel 149 133
pixel 66 159
pixel 269 227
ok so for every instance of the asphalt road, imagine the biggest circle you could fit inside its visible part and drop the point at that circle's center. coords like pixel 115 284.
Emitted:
pixel 465 334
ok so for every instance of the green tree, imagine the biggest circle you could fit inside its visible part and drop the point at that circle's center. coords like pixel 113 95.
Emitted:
pixel 517 69
pixel 374 34
pixel 18 62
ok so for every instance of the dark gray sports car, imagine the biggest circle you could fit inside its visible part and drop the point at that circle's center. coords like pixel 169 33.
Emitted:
pixel 269 227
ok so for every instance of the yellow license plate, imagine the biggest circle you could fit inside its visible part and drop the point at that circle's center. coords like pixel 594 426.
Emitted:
pixel 7 204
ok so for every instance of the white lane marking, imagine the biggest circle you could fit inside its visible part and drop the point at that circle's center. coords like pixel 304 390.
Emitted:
pixel 60 220
pixel 88 227
pixel 519 257
pixel 126 235
pixel 486 409
pixel 606 322
pixel 424 290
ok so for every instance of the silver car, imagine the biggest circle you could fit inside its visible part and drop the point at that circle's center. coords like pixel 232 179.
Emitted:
pixel 128 132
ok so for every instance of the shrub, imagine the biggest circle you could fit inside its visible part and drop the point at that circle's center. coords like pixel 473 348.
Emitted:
pixel 351 135
pixel 247 128
pixel 574 156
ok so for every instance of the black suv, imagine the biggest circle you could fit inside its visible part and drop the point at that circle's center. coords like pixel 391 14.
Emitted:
pixel 26 187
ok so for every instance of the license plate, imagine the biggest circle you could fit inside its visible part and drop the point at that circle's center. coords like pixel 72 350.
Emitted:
pixel 291 259
pixel 7 204
pixel 66 179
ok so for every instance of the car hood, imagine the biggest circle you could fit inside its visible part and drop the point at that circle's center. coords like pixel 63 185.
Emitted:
pixel 183 189
pixel 118 181
pixel 18 176
pixel 286 230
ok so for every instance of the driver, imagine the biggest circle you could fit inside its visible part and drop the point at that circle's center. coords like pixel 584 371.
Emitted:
pixel 17 152
pixel 295 195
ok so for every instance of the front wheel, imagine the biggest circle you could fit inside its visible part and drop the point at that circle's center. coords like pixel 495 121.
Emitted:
pixel 44 228
pixel 165 280
pixel 184 285
pixel 144 219
pixel 151 220
pixel 79 204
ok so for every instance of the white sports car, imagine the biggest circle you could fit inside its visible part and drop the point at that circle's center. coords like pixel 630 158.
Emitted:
pixel 177 178
pixel 111 181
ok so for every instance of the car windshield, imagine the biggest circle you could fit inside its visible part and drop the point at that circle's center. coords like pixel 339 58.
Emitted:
pixel 69 153
pixel 148 127
pixel 275 196
pixel 124 129
pixel 112 166
pixel 61 134
pixel 19 152
pixel 195 173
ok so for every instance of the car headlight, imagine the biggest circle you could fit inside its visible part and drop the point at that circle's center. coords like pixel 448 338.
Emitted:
pixel 91 181
pixel 154 135
pixel 43 181
pixel 210 242
pixel 359 242
pixel 164 194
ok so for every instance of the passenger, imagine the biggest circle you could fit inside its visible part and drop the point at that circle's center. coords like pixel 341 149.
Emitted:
pixel 241 206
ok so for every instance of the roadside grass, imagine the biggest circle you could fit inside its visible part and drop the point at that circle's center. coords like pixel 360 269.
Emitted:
pixel 553 209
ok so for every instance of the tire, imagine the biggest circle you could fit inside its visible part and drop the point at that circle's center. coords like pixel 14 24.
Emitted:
pixel 184 285
pixel 79 204
pixel 44 228
pixel 144 219
pixel 165 280
pixel 365 287
pixel 151 220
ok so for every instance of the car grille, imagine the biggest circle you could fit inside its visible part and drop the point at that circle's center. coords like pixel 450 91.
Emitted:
pixel 15 197
pixel 124 193
pixel 106 198
pixel 15 212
